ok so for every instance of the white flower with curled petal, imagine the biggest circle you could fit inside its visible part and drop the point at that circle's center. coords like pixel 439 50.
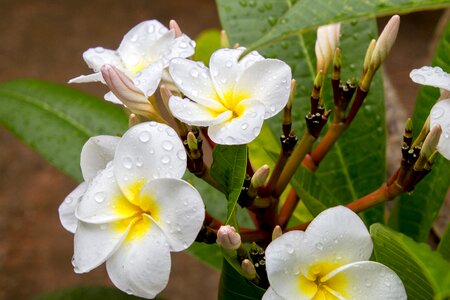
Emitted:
pixel 142 55
pixel 440 112
pixel 329 261
pixel 133 208
pixel 232 97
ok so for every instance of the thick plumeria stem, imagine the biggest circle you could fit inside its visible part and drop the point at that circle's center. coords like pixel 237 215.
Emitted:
pixel 254 235
pixel 288 208
pixel 294 162
pixel 326 143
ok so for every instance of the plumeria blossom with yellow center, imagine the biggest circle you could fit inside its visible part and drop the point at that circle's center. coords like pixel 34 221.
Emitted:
pixel 329 261
pixel 232 97
pixel 133 209
pixel 143 54
pixel 440 112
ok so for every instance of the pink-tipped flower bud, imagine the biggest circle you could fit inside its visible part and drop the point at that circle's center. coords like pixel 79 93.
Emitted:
pixel 248 269
pixel 173 25
pixel 228 238
pixel 326 43
pixel 385 42
pixel 124 89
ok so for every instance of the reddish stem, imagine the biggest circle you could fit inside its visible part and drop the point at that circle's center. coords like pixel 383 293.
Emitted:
pixel 288 208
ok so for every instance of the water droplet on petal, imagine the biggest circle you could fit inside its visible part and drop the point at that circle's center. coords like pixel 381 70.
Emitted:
pixel 127 162
pixel 183 45
pixel 319 246
pixel 145 136
pixel 139 161
pixel 153 124
pixel 167 145
pixel 151 151
pixel 256 131
pixel 134 38
pixel 165 159
pixel 418 78
pixel 69 200
pixel 229 64
pixel 181 154
pixel 99 197
pixel 194 73
pixel 437 112
pixel 244 126
pixel 99 50
pixel 151 29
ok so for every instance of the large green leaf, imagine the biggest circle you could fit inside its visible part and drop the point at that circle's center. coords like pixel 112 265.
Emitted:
pixel 444 244
pixel 356 164
pixel 413 214
pixel 56 121
pixel 306 15
pixel 235 287
pixel 87 293
pixel 424 273
pixel 229 169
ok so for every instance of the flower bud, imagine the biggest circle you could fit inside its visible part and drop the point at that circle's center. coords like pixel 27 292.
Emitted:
pixel 173 25
pixel 431 141
pixel 228 238
pixel 385 42
pixel 368 56
pixel 260 176
pixel 277 232
pixel 248 269
pixel 133 120
pixel 224 42
pixel 124 89
pixel 326 43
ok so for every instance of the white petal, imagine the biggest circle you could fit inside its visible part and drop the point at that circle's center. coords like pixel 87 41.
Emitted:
pixel 283 267
pixel 161 48
pixel 180 210
pixel 440 114
pixel 95 243
pixel 94 77
pixel 225 68
pixel 432 76
pixel 97 57
pixel 96 153
pixel 182 46
pixel 147 151
pixel 141 266
pixel 148 78
pixel 112 98
pixel 336 237
pixel 192 113
pixel 241 130
pixel 269 82
pixel 103 201
pixel 67 208
pixel 193 79
pixel 366 280
pixel 271 295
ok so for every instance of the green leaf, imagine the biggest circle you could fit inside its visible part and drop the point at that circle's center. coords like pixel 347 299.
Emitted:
pixel 206 43
pixel 229 169
pixel 444 245
pixel 56 121
pixel 235 287
pixel 356 164
pixel 424 272
pixel 306 15
pixel 415 213
pixel 87 293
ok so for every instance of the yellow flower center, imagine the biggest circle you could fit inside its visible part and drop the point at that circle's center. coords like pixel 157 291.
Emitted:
pixel 318 286
pixel 231 101
pixel 135 204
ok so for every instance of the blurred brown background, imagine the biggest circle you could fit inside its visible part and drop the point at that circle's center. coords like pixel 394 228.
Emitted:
pixel 45 39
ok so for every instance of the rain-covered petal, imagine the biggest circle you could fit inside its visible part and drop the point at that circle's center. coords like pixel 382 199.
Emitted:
pixel 182 46
pixel 240 130
pixel 432 76
pixel 283 267
pixel 366 280
pixel 226 68
pixel 148 78
pixel 95 243
pixel 94 77
pixel 147 151
pixel 67 208
pixel 137 43
pixel 336 237
pixel 440 114
pixel 193 79
pixel 267 81
pixel 96 153
pixel 103 201
pixel 141 265
pixel 179 210
pixel 271 295
pixel 97 57
pixel 195 114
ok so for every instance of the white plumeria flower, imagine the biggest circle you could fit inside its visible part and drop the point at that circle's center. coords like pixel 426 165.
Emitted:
pixel 326 43
pixel 329 261
pixel 440 112
pixel 231 97
pixel 142 55
pixel 134 208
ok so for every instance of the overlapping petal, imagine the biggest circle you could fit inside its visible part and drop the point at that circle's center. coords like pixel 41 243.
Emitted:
pixel 240 130
pixel 103 201
pixel 67 208
pixel 182 46
pixel 141 265
pixel 147 151
pixel 99 56
pixel 95 243
pixel 271 295
pixel 180 210
pixel 440 114
pixel 94 77
pixel 432 76
pixel 269 82
pixel 366 280
pixel 147 80
pixel 96 153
